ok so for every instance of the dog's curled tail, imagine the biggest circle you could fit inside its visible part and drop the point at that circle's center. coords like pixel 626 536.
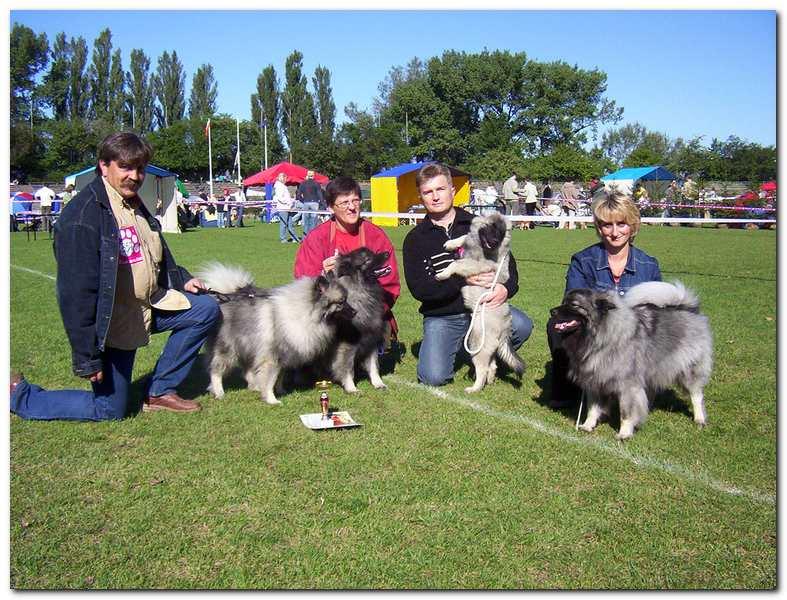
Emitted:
pixel 224 278
pixel 662 294
pixel 510 357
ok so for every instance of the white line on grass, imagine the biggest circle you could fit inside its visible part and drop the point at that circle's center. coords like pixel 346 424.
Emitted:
pixel 34 272
pixel 616 449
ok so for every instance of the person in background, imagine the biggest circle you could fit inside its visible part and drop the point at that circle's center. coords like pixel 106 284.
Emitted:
pixel 284 203
pixel 531 199
pixel 612 264
pixel 240 199
pixel 117 283
pixel 511 194
pixel 570 196
pixel 446 319
pixel 67 195
pixel 310 195
pixel 344 232
pixel 45 196
pixel 546 193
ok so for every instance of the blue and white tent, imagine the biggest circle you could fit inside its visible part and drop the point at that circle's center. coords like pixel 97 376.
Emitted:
pixel 624 179
pixel 159 184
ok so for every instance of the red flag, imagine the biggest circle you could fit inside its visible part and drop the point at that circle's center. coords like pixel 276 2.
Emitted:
pixel 207 129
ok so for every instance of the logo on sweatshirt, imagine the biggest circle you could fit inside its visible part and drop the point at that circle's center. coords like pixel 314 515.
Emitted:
pixel 130 247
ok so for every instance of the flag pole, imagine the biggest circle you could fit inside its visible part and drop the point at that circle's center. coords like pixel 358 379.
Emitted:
pixel 237 141
pixel 210 160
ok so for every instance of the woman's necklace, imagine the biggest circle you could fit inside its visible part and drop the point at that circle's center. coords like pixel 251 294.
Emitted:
pixel 617 263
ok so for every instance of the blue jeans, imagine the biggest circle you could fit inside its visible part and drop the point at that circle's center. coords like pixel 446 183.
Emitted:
pixel 220 219
pixel 286 226
pixel 443 339
pixel 109 400
pixel 309 219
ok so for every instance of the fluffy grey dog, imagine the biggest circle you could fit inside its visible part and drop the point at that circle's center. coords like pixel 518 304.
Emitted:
pixel 485 246
pixel 265 331
pixel 632 347
pixel 359 337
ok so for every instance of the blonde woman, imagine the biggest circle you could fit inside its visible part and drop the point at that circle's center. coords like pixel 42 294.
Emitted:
pixel 612 264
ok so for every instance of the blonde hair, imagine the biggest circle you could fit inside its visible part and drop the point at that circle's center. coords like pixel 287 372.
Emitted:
pixel 609 207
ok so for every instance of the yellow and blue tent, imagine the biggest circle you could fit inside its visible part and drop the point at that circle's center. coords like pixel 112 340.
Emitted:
pixel 393 190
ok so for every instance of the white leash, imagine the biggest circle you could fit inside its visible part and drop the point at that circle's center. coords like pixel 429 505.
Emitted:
pixel 483 309
pixel 579 414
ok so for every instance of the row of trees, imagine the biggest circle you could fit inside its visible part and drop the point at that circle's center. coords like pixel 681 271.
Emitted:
pixel 489 113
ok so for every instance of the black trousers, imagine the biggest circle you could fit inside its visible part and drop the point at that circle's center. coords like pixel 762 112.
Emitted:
pixel 564 391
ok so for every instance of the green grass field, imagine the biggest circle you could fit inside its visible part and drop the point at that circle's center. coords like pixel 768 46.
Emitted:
pixel 437 489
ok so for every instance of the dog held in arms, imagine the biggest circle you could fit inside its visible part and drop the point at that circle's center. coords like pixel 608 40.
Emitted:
pixel 265 331
pixel 359 337
pixel 484 247
pixel 629 348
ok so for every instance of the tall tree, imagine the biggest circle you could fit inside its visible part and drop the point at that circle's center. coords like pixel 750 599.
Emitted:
pixel 322 150
pixel 202 103
pixel 564 103
pixel 168 85
pixel 140 96
pixel 619 142
pixel 100 92
pixel 268 98
pixel 78 92
pixel 323 94
pixel 298 121
pixel 56 80
pixel 118 97
pixel 28 54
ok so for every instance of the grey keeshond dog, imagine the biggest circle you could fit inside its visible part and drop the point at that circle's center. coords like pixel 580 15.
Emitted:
pixel 629 348
pixel 359 338
pixel 265 331
pixel 485 246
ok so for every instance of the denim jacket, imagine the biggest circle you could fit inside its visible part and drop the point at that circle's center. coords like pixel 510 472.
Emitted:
pixel 87 246
pixel 590 269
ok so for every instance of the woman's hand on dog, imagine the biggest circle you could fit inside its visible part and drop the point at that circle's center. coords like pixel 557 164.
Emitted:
pixel 329 263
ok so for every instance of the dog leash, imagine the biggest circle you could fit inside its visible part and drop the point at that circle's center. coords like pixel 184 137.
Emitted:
pixel 483 309
pixel 579 414
pixel 222 298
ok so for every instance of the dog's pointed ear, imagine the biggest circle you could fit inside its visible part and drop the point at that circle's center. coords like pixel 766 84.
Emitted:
pixel 323 282
pixel 604 305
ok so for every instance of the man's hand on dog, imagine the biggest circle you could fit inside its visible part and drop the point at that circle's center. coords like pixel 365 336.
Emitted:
pixel 498 295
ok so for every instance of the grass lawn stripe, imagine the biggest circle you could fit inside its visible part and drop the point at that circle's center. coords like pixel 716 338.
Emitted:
pixel 616 449
pixel 52 277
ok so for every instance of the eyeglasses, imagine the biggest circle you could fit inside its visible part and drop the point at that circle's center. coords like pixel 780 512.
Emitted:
pixel 347 203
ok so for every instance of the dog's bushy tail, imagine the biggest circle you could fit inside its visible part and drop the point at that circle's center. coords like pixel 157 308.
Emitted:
pixel 662 294
pixel 510 357
pixel 224 278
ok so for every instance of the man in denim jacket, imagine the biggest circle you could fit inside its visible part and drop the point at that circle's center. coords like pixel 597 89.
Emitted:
pixel 117 283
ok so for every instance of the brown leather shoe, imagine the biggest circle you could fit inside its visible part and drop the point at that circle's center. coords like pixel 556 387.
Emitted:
pixel 13 383
pixel 171 402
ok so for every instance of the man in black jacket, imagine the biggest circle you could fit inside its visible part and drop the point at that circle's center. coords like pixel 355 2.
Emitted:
pixel 445 317
pixel 117 283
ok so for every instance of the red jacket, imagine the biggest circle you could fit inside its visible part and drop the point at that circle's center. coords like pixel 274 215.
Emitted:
pixel 321 243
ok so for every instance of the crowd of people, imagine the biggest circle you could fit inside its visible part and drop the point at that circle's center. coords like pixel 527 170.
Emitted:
pixel 118 282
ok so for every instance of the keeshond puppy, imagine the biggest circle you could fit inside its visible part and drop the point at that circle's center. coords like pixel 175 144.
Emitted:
pixel 265 331
pixel 626 349
pixel 359 337
pixel 484 247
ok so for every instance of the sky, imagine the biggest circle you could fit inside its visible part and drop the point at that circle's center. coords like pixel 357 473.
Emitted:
pixel 709 73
